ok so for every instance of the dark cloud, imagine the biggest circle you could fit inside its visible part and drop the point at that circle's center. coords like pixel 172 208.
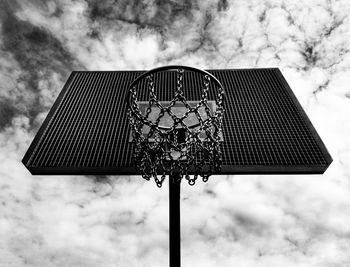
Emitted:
pixel 35 48
pixel 7 112
pixel 171 19
pixel 158 14
pixel 222 5
pixel 248 224
pixel 39 55
pixel 310 54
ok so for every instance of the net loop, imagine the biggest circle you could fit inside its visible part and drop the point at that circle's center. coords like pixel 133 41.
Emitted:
pixel 205 177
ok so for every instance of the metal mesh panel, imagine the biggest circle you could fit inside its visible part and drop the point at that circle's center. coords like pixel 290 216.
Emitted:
pixel 264 128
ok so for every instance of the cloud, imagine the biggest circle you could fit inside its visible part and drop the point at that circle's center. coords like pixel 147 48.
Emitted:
pixel 231 220
pixel 34 67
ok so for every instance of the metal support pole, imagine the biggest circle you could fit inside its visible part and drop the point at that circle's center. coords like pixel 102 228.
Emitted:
pixel 174 221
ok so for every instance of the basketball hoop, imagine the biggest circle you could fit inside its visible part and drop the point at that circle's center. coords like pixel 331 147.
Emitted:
pixel 166 141
pixel 176 116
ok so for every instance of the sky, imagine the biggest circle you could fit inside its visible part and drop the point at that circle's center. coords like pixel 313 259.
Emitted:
pixel 235 220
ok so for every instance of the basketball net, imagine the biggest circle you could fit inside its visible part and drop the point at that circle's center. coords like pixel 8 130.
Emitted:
pixel 189 150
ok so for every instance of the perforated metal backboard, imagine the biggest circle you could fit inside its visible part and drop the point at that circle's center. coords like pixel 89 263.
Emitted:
pixel 265 130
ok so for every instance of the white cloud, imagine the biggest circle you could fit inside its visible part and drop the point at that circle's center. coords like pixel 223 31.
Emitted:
pixel 237 220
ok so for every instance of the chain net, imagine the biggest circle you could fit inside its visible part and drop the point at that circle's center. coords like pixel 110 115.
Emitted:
pixel 190 150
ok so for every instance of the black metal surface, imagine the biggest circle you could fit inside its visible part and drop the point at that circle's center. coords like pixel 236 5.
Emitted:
pixel 174 221
pixel 265 130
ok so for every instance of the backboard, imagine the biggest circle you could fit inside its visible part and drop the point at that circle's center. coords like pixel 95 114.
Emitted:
pixel 265 130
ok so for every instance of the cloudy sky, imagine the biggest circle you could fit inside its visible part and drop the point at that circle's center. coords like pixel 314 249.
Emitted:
pixel 228 221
